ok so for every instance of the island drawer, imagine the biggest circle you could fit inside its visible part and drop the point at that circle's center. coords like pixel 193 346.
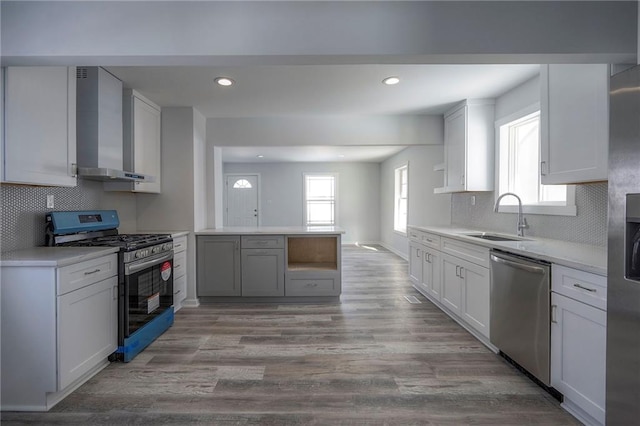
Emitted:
pixel 259 241
pixel 579 285
pixel 311 287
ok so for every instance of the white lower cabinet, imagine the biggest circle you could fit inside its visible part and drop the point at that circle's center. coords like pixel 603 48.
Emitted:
pixel 87 329
pixel 451 284
pixel 59 326
pixel 455 276
pixel 466 291
pixel 415 262
pixel 179 271
pixel 476 295
pixel 431 262
pixel 578 357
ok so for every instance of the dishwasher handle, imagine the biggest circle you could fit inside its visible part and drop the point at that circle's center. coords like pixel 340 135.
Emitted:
pixel 517 265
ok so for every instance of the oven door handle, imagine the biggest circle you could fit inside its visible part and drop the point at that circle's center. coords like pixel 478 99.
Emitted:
pixel 134 267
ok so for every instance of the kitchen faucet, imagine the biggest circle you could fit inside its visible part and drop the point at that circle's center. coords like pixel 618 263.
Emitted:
pixel 522 221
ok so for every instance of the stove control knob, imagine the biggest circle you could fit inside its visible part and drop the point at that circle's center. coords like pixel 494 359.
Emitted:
pixel 138 254
pixel 167 247
pixel 155 249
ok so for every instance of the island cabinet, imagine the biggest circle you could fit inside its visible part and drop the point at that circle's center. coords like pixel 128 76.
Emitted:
pixel 218 266
pixel 39 138
pixel 578 341
pixel 262 268
pixel 313 266
pixel 574 119
pixel 262 265
pixel 59 325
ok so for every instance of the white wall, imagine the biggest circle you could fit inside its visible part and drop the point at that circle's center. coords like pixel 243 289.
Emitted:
pixel 183 136
pixel 425 207
pixel 282 195
pixel 321 130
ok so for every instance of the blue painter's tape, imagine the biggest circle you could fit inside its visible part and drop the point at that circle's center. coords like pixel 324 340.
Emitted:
pixel 143 337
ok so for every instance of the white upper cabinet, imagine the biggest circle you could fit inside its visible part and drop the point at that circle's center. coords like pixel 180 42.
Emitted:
pixel 469 147
pixel 574 117
pixel 141 142
pixel 39 145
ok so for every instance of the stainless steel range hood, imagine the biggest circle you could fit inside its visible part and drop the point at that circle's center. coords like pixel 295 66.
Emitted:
pixel 99 128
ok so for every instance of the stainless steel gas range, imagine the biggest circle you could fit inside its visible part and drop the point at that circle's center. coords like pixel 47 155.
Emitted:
pixel 145 273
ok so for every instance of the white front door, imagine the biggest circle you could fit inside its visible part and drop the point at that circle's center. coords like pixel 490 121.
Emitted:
pixel 242 200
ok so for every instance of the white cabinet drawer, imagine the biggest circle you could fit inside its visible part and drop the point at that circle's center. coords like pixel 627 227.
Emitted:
pixel 469 252
pixel 415 235
pixel 311 287
pixel 179 264
pixel 81 274
pixel 179 244
pixel 267 241
pixel 179 290
pixel 430 240
pixel 579 285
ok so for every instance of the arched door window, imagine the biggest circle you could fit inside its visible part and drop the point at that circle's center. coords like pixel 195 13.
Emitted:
pixel 242 184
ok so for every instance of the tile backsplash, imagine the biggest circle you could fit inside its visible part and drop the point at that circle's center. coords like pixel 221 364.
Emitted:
pixel 24 207
pixel 588 227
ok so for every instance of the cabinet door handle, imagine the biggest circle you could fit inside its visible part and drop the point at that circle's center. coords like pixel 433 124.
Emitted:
pixel 553 314
pixel 92 272
pixel 461 269
pixel 115 292
pixel 457 271
pixel 418 253
pixel 462 179
pixel 235 244
pixel 543 168
pixel 312 285
pixel 429 257
pixel 429 240
pixel 592 290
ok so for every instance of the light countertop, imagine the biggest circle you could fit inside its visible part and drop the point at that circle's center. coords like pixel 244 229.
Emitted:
pixel 273 230
pixel 174 234
pixel 580 256
pixel 53 256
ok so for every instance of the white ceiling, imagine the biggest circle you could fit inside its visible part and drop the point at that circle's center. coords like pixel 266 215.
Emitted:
pixel 320 90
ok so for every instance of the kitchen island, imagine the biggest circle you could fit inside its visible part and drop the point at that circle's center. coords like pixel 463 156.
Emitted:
pixel 279 264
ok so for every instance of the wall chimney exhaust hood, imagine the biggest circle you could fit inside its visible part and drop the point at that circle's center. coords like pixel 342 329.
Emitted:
pixel 99 128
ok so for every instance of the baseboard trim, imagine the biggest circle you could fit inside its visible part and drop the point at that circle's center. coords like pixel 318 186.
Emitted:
pixel 190 303
pixel 394 251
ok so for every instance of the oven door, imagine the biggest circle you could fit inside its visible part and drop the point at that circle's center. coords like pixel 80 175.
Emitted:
pixel 147 292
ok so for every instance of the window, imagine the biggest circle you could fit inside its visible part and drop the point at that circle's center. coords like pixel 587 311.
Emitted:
pixel 518 168
pixel 242 184
pixel 320 199
pixel 401 197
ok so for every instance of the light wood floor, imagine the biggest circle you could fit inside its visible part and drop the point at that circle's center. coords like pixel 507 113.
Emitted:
pixel 373 359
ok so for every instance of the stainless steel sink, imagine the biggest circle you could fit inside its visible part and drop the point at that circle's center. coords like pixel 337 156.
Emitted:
pixel 495 237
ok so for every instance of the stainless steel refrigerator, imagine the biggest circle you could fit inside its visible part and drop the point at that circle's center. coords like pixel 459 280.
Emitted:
pixel 623 294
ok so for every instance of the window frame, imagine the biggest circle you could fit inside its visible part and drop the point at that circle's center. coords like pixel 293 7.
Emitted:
pixel 555 209
pixel 397 171
pixel 305 201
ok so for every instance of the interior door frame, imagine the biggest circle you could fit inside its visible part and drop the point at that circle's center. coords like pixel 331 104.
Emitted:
pixel 226 188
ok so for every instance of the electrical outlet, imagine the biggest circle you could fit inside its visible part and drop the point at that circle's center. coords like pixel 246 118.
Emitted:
pixel 50 201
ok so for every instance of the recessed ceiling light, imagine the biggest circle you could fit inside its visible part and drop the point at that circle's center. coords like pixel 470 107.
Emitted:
pixel 260 156
pixel 390 81
pixel 224 81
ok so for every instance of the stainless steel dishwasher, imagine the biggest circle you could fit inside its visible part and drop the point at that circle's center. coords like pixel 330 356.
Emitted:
pixel 520 304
